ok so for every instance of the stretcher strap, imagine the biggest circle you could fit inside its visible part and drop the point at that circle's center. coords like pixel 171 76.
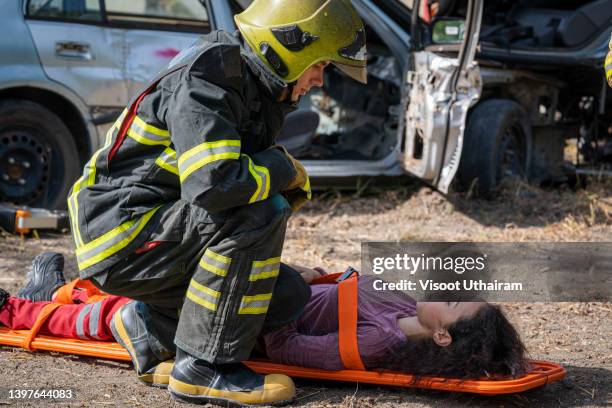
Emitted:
pixel 44 314
pixel 347 324
pixel 64 294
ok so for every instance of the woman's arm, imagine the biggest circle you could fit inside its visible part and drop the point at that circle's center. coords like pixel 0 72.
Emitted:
pixel 288 346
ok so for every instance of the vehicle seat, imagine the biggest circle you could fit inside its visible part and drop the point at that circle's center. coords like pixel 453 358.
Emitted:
pixel 585 22
pixel 298 131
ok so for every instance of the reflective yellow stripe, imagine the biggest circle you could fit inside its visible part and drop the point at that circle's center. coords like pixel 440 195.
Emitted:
pixel 257 178
pixel 207 146
pixel 212 268
pixel 257 304
pixel 262 179
pixel 307 189
pixel 150 128
pixel 209 159
pixel 270 261
pixel 201 302
pixel 121 234
pixel 167 161
pixel 87 179
pixel 215 263
pixel 266 269
pixel 265 170
pixel 147 141
pixel 206 153
pixel 201 299
pixel 218 257
pixel 264 275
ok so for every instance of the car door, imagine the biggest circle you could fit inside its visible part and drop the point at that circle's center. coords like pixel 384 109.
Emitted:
pixel 78 50
pixel 443 85
pixel 155 31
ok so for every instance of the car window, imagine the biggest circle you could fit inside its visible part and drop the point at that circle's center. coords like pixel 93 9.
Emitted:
pixel 157 9
pixel 65 9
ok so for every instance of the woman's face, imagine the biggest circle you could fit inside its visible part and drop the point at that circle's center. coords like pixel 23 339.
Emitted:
pixel 437 315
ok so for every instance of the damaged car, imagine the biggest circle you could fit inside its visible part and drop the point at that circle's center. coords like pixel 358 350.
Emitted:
pixel 459 95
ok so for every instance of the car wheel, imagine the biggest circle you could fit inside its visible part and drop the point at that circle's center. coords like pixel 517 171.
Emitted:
pixel 497 145
pixel 39 160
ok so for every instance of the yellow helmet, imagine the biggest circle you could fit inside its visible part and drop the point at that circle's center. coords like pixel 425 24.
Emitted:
pixel 290 36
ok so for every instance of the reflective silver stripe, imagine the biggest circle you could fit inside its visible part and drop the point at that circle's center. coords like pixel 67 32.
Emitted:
pixel 257 304
pixel 94 319
pixel 608 69
pixel 205 152
pixel 265 269
pixel 215 263
pixel 148 134
pixel 203 295
pixel 167 161
pixel 80 323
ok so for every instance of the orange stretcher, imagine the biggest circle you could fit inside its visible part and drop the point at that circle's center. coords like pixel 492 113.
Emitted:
pixel 542 372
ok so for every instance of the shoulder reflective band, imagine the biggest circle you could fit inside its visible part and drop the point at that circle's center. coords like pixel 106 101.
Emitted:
pixel 355 51
pixel 347 324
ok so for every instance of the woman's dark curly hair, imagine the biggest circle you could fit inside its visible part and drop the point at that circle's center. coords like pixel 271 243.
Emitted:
pixel 486 345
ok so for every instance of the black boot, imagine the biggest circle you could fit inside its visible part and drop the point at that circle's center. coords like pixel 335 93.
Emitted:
pixel 129 329
pixel 4 295
pixel 45 276
pixel 199 382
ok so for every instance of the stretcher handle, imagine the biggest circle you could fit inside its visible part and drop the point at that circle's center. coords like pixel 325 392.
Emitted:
pixel 347 323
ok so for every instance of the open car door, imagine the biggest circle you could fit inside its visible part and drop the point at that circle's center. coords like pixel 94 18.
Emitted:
pixel 443 84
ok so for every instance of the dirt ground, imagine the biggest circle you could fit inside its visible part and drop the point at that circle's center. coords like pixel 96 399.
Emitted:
pixel 328 233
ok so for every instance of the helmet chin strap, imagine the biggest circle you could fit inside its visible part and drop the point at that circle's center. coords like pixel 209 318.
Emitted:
pixel 289 93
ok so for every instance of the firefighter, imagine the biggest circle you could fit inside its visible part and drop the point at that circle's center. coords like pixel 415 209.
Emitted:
pixel 184 208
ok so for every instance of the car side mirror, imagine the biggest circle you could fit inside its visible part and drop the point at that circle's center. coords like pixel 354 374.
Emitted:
pixel 448 31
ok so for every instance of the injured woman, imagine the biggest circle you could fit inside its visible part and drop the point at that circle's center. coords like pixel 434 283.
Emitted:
pixel 449 339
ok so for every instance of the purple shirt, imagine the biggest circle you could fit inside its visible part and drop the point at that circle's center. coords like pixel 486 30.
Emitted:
pixel 312 340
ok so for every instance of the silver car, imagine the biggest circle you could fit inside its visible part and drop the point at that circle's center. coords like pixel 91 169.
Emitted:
pixel 463 99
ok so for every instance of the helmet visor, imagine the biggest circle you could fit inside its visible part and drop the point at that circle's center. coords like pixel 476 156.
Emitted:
pixel 357 73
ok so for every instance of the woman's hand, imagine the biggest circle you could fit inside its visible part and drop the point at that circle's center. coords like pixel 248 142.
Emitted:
pixel 309 274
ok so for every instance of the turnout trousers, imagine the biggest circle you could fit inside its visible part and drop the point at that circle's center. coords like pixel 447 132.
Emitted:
pixel 211 286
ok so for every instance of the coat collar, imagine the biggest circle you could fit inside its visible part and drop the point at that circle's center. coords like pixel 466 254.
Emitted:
pixel 269 82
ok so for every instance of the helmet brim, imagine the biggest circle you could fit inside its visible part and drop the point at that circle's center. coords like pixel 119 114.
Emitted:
pixel 359 74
